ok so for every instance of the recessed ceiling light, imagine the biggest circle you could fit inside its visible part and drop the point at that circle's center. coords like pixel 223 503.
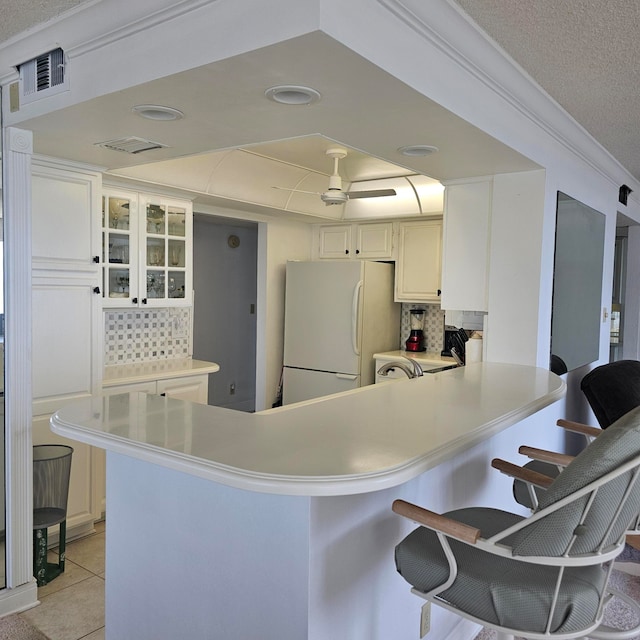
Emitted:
pixel 417 150
pixel 292 94
pixel 157 112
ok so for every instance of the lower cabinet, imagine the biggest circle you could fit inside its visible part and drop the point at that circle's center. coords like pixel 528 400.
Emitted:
pixel 191 388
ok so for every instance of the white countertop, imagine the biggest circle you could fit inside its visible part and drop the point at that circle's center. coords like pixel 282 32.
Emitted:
pixel 422 357
pixel 155 370
pixel 358 441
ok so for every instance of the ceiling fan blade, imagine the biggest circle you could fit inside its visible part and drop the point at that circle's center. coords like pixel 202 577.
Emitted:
pixel 373 193
pixel 313 193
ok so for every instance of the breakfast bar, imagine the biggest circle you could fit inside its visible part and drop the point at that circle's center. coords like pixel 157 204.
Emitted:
pixel 277 524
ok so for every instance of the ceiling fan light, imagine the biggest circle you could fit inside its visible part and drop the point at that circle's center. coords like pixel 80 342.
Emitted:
pixel 292 94
pixel 418 150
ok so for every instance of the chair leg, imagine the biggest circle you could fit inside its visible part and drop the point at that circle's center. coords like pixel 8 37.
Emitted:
pixel 504 636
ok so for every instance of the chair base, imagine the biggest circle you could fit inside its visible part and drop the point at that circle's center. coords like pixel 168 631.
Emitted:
pixel 44 571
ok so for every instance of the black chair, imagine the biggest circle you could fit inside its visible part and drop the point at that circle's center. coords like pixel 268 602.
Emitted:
pixel 612 390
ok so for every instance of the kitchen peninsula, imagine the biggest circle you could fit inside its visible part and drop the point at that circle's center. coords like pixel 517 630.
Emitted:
pixel 277 524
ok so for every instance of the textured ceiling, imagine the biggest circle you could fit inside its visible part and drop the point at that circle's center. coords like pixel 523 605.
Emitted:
pixel 18 15
pixel 584 53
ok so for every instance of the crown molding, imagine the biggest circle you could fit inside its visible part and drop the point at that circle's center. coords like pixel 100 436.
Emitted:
pixel 445 26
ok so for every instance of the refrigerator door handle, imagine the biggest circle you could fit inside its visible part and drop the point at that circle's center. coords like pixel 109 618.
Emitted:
pixel 346 376
pixel 354 317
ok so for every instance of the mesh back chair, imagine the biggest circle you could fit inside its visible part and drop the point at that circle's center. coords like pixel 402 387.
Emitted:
pixel 611 390
pixel 543 576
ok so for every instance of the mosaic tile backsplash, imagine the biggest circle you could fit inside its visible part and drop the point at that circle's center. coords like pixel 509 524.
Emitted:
pixel 433 325
pixel 146 334
pixel 161 334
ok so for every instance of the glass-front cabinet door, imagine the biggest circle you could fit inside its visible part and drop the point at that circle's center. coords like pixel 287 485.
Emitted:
pixel 166 277
pixel 147 250
pixel 119 248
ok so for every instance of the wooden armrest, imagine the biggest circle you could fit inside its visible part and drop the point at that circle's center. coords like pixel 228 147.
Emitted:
pixel 433 520
pixel 526 475
pixel 543 455
pixel 578 427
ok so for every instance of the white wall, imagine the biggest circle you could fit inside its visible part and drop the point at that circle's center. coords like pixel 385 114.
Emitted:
pixel 277 242
pixel 515 266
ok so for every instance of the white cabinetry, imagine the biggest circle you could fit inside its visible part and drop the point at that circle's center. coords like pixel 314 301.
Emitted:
pixel 419 263
pixel 465 269
pixel 368 241
pixel 192 388
pixel 146 250
pixel 66 321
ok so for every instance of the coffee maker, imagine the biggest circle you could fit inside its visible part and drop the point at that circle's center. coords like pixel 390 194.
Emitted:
pixel 415 341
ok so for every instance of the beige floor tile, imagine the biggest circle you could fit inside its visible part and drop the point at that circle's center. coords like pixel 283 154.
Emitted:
pixel 71 613
pixel 72 574
pixel 88 552
pixel 96 635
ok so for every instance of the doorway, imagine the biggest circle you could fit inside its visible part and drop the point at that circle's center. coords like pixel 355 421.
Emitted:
pixel 224 311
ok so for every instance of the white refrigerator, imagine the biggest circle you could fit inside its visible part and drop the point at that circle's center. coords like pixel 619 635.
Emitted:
pixel 337 315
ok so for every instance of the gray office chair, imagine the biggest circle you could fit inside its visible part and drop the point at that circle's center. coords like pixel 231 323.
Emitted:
pixel 543 576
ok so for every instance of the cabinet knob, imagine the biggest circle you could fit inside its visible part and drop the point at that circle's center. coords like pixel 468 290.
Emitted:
pixel 163 395
pixel 144 301
pixel 96 259
pixel 439 292
pixel 134 300
pixel 357 251
pixel 96 289
pixel 346 251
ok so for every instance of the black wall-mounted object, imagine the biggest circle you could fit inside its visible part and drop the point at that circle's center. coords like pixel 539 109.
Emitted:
pixel 623 194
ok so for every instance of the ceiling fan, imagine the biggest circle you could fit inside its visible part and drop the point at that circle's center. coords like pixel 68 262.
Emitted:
pixel 335 194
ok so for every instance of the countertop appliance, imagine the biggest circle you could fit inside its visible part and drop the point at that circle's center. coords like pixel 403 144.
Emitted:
pixel 415 341
pixel 337 315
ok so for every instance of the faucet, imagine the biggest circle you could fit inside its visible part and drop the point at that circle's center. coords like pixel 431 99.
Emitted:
pixel 414 372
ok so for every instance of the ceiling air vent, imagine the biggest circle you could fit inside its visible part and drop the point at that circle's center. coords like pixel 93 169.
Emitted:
pixel 43 76
pixel 130 144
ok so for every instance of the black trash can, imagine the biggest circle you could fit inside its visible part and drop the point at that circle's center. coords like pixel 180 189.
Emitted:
pixel 51 472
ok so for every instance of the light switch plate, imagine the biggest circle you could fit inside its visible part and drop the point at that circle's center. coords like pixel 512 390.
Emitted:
pixel 425 619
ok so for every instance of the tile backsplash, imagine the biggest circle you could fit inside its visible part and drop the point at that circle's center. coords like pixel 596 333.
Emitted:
pixel 146 334
pixel 433 325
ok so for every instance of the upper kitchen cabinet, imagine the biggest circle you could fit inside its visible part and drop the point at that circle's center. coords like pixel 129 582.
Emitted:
pixel 466 234
pixel 147 250
pixel 119 247
pixel 368 241
pixel 65 234
pixel 419 263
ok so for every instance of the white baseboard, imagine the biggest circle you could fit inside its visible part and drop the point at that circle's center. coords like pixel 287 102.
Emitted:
pixel 19 599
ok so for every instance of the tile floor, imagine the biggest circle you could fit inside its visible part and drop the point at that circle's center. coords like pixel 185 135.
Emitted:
pixel 72 605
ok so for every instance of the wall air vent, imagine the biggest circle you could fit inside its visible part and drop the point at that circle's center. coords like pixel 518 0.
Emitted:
pixel 43 76
pixel 130 144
